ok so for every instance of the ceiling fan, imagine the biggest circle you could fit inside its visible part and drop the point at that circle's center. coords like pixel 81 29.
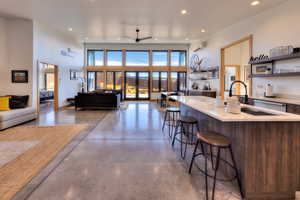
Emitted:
pixel 138 39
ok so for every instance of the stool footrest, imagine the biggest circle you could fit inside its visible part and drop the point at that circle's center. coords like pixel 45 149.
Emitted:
pixel 211 176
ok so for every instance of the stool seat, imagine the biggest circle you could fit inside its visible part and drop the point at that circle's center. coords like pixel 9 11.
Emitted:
pixel 172 109
pixel 213 138
pixel 189 120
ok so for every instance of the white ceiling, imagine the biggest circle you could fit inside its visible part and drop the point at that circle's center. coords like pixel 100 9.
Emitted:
pixel 110 20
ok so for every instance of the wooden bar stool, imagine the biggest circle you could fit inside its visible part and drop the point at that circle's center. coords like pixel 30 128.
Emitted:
pixel 171 116
pixel 186 130
pixel 220 142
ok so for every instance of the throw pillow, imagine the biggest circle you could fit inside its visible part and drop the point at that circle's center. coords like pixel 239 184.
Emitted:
pixel 4 103
pixel 18 102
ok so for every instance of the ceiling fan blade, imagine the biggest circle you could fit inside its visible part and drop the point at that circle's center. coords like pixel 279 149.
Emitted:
pixel 146 38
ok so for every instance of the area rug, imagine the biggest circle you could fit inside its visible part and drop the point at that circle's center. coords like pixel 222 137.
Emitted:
pixel 38 146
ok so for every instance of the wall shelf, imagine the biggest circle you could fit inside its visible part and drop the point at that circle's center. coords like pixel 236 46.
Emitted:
pixel 275 75
pixel 274 59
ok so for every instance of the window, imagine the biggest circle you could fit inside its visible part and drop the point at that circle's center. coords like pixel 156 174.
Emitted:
pixel 159 81
pixel 178 58
pixel 159 58
pixel 174 81
pixel 118 80
pixel 114 58
pixel 91 80
pixel 178 81
pixel 182 81
pixel 95 58
pixel 110 80
pixel 163 81
pixel 155 82
pixel 137 58
pixel 114 80
pixel 100 80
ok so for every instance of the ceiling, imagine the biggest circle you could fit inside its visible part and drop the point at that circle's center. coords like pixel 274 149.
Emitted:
pixel 115 20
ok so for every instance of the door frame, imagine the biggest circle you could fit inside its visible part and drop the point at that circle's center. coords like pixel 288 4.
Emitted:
pixel 56 86
pixel 222 70
pixel 137 85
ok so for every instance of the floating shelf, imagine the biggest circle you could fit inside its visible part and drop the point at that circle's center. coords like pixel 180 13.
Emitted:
pixel 275 75
pixel 274 59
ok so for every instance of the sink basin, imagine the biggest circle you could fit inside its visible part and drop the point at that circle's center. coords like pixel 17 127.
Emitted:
pixel 252 111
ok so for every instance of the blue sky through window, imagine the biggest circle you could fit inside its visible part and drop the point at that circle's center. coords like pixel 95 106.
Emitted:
pixel 160 58
pixel 137 58
pixel 114 58
pixel 178 58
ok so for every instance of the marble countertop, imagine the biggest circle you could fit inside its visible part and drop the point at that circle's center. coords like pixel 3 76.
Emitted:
pixel 277 99
pixel 207 106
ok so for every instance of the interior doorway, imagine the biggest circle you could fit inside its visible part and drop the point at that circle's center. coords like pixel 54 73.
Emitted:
pixel 234 66
pixel 47 87
pixel 137 86
pixel 232 73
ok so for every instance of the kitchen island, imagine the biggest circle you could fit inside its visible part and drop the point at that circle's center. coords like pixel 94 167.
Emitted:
pixel 266 147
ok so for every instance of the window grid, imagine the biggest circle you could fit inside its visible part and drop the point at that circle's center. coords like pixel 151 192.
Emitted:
pixel 160 78
pixel 103 58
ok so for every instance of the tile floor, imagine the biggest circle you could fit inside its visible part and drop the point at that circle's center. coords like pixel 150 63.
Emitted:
pixel 125 156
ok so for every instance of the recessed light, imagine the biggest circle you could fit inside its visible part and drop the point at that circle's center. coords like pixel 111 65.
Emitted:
pixel 155 39
pixel 202 30
pixel 183 12
pixel 70 29
pixel 186 38
pixel 86 38
pixel 255 3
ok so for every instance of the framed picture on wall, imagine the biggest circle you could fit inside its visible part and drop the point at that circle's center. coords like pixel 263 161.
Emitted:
pixel 75 74
pixel 19 76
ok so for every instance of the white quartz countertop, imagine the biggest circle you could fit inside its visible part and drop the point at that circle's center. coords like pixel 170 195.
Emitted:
pixel 207 106
pixel 277 99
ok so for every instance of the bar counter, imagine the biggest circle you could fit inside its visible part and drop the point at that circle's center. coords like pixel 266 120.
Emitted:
pixel 266 148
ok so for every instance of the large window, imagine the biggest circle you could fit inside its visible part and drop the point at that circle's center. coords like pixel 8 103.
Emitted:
pixel 114 58
pixel 110 80
pixel 114 80
pixel 100 80
pixel 159 81
pixel 95 58
pixel 91 81
pixel 159 58
pixel 137 58
pixel 178 58
pixel 178 81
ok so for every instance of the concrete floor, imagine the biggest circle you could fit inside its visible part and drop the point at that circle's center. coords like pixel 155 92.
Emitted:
pixel 125 156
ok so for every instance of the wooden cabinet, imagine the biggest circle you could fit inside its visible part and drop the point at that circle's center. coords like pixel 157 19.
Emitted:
pixel 292 108
pixel 207 93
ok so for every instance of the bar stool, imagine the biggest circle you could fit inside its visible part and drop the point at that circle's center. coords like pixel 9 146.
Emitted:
pixel 215 140
pixel 171 116
pixel 185 129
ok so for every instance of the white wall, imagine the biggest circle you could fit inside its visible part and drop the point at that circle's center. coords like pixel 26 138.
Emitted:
pixel 48 46
pixel 274 27
pixel 16 53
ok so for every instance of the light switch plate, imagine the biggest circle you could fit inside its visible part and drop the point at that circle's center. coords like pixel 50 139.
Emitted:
pixel 298 195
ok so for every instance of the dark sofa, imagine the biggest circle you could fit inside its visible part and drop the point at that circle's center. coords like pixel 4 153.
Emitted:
pixel 98 99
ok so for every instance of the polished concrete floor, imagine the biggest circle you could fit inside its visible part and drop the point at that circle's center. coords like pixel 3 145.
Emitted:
pixel 124 156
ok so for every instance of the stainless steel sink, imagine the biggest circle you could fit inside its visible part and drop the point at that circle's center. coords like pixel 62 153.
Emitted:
pixel 256 112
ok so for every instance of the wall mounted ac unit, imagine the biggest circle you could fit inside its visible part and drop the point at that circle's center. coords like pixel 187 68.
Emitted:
pixel 202 45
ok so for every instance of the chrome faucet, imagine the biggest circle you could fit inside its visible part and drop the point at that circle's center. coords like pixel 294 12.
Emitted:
pixel 246 92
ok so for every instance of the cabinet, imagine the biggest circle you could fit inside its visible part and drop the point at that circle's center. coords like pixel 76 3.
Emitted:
pixel 292 108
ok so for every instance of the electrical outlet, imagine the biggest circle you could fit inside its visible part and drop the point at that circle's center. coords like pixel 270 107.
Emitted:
pixel 298 195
